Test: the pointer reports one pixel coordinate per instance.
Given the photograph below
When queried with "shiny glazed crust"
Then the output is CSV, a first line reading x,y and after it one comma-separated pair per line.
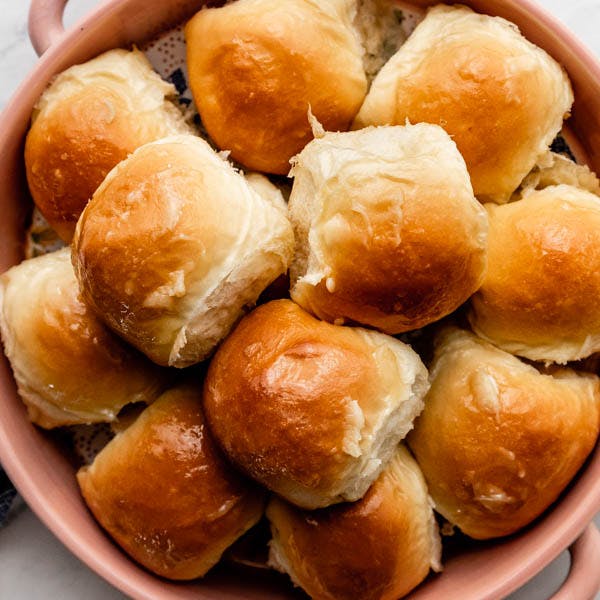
x,y
539,297
257,65
163,491
498,441
501,98
68,366
90,118
388,232
378,548
311,410
174,245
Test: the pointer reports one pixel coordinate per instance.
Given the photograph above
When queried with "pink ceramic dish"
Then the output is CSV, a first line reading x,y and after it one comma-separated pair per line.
x,y
42,471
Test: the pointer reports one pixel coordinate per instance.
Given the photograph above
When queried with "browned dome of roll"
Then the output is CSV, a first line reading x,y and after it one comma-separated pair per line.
x,y
311,410
256,66
90,118
173,247
378,548
164,492
69,367
498,441
388,232
540,295
500,97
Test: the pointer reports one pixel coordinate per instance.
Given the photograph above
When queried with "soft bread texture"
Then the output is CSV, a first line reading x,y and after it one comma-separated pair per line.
x,y
501,98
388,232
556,169
311,410
498,441
378,548
165,494
69,367
257,66
90,118
539,297
172,247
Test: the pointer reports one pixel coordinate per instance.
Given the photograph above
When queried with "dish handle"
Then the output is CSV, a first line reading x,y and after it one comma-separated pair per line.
x,y
45,23
583,580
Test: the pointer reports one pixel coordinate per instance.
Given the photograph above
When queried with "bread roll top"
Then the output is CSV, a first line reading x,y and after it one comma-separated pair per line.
x,y
378,548
172,247
498,441
90,118
69,367
500,97
284,380
256,66
538,299
163,491
388,232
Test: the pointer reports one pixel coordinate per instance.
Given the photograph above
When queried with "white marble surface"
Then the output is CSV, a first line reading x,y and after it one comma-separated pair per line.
x,y
33,564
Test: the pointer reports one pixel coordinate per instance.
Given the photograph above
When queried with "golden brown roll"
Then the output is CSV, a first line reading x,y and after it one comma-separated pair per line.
x,y
378,548
498,441
501,98
90,118
173,246
256,66
311,410
540,295
165,494
388,232
68,366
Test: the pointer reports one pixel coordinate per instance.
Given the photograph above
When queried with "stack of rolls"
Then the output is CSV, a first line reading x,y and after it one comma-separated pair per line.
x,y
305,410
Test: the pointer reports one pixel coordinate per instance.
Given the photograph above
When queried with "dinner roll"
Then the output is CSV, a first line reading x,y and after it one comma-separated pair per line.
x,y
89,119
257,66
172,247
388,232
498,441
501,98
165,494
540,295
68,366
378,548
311,410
